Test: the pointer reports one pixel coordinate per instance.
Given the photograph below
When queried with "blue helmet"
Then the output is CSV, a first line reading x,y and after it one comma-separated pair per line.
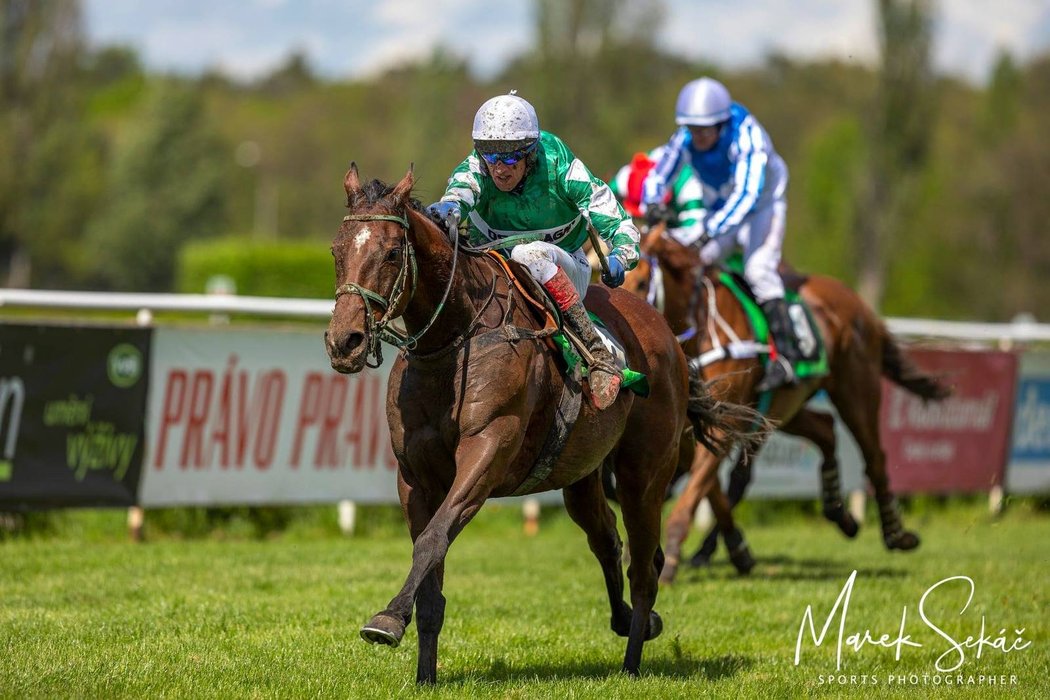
x,y
702,102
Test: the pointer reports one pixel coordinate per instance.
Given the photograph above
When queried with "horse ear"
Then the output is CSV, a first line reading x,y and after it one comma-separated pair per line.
x,y
653,241
351,183
402,188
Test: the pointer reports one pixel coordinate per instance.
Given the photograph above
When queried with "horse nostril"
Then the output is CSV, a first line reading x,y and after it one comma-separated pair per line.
x,y
351,342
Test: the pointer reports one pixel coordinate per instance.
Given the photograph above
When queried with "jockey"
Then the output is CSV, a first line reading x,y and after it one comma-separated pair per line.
x,y
744,182
520,181
684,203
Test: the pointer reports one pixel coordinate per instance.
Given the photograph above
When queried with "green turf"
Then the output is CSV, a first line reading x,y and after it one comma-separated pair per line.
x,y
96,616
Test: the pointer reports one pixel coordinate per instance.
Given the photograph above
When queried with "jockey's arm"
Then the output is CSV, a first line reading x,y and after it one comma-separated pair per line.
x,y
666,169
599,208
464,186
749,176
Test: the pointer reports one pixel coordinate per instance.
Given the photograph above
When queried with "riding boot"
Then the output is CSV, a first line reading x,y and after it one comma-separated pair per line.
x,y
780,371
604,377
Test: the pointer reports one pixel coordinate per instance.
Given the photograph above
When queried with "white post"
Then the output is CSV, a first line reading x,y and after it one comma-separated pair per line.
x,y
995,500
704,517
857,502
530,510
347,517
136,519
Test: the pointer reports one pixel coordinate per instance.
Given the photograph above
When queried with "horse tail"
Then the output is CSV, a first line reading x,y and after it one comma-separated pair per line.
x,y
719,425
902,371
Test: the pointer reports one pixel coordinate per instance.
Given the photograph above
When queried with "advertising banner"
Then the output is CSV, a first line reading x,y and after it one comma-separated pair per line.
x,y
959,444
259,417
1029,467
72,401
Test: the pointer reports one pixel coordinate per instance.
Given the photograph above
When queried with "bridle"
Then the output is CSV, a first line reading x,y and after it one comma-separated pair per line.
x,y
380,330
656,295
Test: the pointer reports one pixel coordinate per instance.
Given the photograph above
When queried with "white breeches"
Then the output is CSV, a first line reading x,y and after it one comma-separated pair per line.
x,y
543,260
761,237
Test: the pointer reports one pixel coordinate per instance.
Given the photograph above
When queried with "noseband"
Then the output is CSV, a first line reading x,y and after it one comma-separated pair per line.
x,y
380,330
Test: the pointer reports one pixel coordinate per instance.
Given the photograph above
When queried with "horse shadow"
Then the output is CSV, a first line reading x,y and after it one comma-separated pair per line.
x,y
676,666
786,568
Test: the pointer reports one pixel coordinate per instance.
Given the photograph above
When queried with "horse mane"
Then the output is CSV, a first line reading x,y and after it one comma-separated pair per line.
x,y
377,193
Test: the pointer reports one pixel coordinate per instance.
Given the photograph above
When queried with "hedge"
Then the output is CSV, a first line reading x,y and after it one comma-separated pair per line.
x,y
297,269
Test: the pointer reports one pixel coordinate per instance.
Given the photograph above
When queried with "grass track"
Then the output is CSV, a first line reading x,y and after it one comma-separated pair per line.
x,y
526,617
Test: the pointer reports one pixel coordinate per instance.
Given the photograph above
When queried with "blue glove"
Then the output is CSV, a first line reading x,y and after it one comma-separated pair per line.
x,y
616,272
446,214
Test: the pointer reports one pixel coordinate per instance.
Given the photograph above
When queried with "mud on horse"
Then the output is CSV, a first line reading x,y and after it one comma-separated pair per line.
x,y
473,396
860,352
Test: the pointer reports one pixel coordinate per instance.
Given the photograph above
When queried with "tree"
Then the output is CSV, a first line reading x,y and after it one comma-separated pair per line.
x,y
40,46
169,186
899,138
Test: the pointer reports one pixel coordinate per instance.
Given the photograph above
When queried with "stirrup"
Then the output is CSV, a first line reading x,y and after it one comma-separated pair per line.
x,y
779,373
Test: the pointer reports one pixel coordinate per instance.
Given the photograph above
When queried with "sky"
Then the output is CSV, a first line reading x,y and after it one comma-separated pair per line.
x,y
247,39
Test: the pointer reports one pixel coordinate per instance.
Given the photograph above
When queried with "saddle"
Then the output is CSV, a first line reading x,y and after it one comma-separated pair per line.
x,y
568,408
540,300
814,361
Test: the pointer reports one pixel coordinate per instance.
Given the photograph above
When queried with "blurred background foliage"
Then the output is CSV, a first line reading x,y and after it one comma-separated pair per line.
x,y
927,193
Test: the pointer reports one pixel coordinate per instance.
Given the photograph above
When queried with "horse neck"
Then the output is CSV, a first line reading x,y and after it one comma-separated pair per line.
x,y
434,257
678,293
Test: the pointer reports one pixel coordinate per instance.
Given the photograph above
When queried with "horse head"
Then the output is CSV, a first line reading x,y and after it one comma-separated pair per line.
x,y
639,281
374,268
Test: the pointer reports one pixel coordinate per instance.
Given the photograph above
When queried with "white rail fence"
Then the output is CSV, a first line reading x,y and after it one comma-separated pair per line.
x,y
1005,335
1022,330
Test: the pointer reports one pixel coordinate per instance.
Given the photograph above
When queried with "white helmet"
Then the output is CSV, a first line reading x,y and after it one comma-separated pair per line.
x,y
506,118
702,102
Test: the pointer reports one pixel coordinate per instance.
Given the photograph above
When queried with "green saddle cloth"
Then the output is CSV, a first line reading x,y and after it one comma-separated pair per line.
x,y
814,363
635,381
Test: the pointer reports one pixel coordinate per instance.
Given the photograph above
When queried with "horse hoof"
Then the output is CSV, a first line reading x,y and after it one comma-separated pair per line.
x,y
383,629
742,560
849,526
739,552
700,560
845,522
656,625
905,541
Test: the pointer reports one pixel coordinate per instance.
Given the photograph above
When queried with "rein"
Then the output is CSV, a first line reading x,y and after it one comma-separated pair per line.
x,y
381,330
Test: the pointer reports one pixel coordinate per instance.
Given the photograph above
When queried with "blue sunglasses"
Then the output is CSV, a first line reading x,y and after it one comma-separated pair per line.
x,y
511,158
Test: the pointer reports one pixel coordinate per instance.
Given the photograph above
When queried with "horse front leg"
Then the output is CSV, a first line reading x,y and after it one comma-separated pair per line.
x,y
476,463
430,602
388,627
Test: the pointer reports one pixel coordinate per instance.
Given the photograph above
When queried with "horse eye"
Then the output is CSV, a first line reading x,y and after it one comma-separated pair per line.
x,y
393,255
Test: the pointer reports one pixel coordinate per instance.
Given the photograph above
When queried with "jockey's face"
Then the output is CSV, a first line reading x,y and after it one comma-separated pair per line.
x,y
705,137
506,177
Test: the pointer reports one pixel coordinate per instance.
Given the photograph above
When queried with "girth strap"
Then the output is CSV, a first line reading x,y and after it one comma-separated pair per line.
x,y
564,419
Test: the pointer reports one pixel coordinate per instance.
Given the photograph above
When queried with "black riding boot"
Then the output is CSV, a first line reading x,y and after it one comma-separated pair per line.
x,y
780,371
604,377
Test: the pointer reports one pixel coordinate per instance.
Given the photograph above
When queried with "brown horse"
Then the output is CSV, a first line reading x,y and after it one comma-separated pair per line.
x,y
474,400
860,351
